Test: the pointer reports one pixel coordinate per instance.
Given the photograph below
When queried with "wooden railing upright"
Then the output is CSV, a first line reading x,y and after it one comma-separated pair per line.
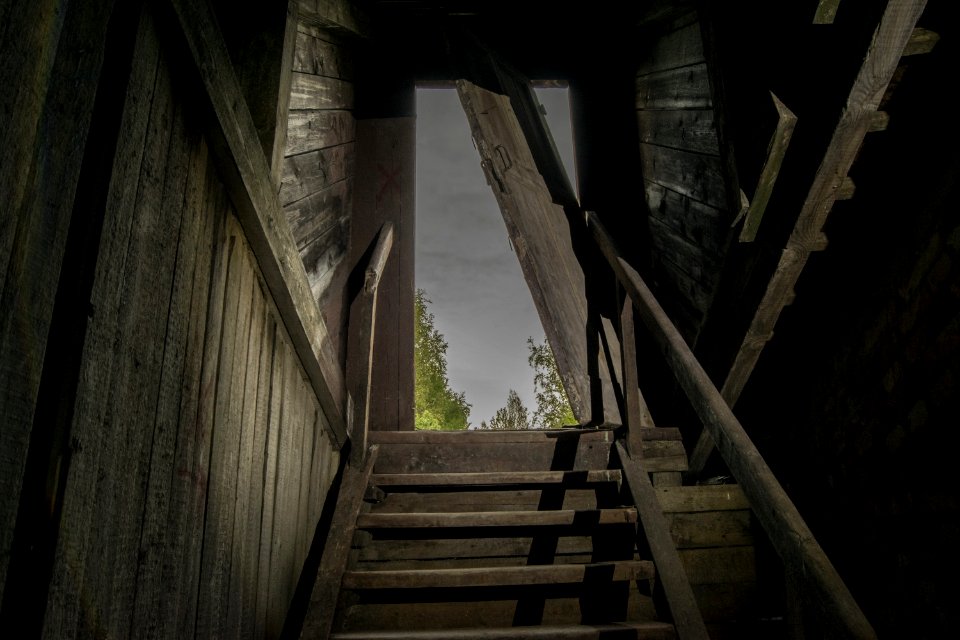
x,y
789,534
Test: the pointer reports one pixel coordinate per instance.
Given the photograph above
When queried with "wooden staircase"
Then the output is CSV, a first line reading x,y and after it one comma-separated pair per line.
x,y
529,535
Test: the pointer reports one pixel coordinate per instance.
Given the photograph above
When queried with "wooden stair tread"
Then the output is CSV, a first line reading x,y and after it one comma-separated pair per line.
x,y
638,630
565,478
564,517
617,571
483,436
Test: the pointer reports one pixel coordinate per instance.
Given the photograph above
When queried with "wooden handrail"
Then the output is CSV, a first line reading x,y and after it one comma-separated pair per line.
x,y
363,324
788,532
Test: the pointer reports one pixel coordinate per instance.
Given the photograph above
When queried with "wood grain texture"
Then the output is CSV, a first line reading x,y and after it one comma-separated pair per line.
x,y
683,88
686,129
695,175
788,532
558,518
498,576
699,223
311,130
311,92
670,572
679,48
247,176
317,56
340,16
333,562
540,235
311,172
47,116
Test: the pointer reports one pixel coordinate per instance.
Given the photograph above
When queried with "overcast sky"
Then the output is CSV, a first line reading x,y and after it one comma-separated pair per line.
x,y
464,261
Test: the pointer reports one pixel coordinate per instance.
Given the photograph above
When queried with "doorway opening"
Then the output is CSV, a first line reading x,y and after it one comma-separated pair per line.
x,y
472,296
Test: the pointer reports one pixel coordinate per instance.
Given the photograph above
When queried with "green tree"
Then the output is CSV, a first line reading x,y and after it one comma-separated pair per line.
x,y
514,416
437,406
553,407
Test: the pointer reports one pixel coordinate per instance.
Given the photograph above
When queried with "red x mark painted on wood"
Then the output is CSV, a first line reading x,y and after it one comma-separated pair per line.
x,y
389,181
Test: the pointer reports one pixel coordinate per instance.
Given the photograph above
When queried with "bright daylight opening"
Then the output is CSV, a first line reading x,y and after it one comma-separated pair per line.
x,y
472,296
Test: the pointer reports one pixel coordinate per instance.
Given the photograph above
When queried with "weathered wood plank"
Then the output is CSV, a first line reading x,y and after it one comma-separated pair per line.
x,y
626,570
341,16
684,88
711,529
316,214
687,129
719,565
186,173
312,130
789,534
246,527
301,477
310,172
695,175
701,266
247,176
333,562
679,48
638,416
325,255
319,57
464,499
182,565
826,11
165,588
921,41
379,550
625,630
447,617
47,115
566,478
700,223
260,495
496,519
727,497
137,347
776,150
310,92
361,339
540,234
670,572
268,618
215,596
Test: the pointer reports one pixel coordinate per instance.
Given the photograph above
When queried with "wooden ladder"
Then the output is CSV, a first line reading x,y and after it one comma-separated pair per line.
x,y
508,535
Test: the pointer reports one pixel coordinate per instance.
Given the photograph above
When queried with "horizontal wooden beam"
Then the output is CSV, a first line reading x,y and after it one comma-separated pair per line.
x,y
620,630
619,571
497,478
921,41
559,518
339,16
247,175
788,532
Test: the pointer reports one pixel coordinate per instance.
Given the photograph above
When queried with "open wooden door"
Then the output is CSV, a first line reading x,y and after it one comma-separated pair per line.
x,y
515,159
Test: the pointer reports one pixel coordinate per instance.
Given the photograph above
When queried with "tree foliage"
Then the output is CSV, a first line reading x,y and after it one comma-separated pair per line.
x,y
514,416
437,406
553,408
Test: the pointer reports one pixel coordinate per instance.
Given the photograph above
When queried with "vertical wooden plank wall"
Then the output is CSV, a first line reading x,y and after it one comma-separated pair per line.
x,y
316,187
682,170
199,457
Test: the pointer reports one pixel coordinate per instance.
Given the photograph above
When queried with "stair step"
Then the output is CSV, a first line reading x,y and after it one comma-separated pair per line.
x,y
600,572
481,498
565,517
577,479
477,452
624,630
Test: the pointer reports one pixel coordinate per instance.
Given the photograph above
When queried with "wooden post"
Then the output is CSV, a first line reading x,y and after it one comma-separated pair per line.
x,y
638,415
788,532
362,330
336,551
670,572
